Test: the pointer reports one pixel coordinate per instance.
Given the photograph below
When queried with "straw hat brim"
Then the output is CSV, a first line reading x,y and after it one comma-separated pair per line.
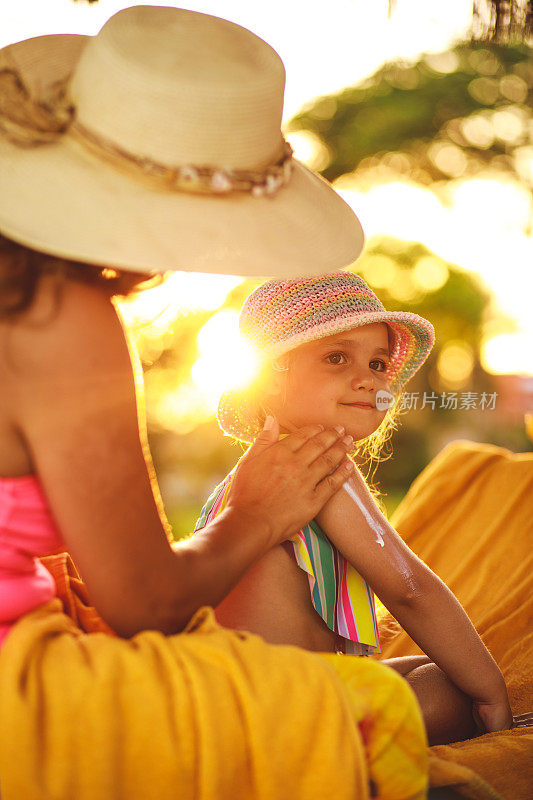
x,y
60,198
414,337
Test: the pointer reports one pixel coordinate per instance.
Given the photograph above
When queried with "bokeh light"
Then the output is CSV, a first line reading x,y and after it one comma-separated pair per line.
x,y
430,273
309,149
455,363
181,292
226,360
456,228
508,353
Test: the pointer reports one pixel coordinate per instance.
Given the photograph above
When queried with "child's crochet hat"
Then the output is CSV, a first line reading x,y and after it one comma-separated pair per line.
x,y
283,314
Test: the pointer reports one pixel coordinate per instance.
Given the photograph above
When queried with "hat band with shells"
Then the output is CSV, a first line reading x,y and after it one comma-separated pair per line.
x,y
25,120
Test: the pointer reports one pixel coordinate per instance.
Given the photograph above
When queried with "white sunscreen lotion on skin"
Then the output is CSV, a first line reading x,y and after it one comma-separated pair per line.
x,y
374,524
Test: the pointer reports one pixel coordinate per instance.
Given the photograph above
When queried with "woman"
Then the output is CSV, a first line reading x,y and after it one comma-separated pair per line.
x,y
103,158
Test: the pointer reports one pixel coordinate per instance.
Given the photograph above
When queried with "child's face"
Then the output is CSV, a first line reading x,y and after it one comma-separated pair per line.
x,y
334,381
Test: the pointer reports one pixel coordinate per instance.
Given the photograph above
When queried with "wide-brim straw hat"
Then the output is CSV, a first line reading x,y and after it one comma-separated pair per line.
x,y
157,145
283,314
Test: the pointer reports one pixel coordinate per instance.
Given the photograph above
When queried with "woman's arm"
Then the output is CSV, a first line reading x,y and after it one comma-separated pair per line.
x,y
74,403
416,597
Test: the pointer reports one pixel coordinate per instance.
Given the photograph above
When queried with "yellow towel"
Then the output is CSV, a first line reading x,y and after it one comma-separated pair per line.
x,y
469,516
209,714
199,716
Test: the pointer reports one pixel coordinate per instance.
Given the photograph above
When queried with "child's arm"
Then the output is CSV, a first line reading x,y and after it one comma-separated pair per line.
x,y
417,598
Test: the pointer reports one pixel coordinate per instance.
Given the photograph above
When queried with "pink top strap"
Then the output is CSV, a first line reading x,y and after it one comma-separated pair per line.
x,y
27,530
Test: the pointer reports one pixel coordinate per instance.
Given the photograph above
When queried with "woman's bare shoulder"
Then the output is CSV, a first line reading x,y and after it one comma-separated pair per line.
x,y
53,357
68,323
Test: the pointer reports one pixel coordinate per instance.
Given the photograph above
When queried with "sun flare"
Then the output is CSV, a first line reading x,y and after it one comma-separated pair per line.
x,y
226,361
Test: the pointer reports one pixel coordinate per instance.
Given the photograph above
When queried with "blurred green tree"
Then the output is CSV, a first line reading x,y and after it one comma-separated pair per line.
x,y
448,115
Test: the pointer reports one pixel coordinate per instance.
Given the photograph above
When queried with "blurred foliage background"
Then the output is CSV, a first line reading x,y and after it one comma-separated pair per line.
x,y
449,117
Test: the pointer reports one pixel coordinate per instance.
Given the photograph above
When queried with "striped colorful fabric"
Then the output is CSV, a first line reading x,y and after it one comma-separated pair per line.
x,y
339,594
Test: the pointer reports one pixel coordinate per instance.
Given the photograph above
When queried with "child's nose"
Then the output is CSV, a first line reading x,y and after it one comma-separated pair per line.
x,y
363,379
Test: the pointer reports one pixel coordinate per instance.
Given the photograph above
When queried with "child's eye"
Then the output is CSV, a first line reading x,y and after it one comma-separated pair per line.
x,y
378,364
337,358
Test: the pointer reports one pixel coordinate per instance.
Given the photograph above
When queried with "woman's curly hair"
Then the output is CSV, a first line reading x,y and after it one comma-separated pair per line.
x,y
21,270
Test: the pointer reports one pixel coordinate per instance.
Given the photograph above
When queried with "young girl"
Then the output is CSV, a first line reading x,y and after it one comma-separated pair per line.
x,y
332,355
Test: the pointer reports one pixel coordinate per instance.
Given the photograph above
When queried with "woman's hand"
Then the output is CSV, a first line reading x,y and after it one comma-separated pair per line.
x,y
284,484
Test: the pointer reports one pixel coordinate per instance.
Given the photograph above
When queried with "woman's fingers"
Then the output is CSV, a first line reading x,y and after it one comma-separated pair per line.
x,y
332,483
296,439
312,445
287,482
290,443
322,452
268,436
325,461
320,445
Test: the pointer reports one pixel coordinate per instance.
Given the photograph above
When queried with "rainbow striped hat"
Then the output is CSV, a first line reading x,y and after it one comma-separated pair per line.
x,y
283,314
